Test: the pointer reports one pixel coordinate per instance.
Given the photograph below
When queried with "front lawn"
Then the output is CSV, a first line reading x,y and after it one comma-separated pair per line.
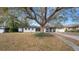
x,y
29,42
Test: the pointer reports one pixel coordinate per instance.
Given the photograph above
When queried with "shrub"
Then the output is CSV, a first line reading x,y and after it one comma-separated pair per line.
x,y
66,30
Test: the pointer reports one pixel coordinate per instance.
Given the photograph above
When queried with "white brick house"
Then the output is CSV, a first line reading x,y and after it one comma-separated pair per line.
x,y
35,29
27,29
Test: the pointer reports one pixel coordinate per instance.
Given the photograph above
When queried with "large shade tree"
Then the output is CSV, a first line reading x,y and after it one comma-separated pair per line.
x,y
42,15
11,23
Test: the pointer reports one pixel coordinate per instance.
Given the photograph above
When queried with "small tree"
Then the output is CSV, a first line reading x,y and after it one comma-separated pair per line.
x,y
10,22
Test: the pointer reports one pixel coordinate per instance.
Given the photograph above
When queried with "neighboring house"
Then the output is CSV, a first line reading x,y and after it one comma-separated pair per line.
x,y
60,29
72,27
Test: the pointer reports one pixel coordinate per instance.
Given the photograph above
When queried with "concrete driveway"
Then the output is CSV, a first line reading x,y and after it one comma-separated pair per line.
x,y
62,36
69,35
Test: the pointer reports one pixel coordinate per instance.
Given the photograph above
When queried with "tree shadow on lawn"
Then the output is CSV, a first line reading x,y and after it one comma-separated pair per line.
x,y
43,35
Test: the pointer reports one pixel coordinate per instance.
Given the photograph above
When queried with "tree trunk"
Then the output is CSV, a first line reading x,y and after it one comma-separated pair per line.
x,y
42,29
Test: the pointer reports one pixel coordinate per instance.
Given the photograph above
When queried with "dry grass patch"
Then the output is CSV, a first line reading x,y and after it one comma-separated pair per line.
x,y
29,42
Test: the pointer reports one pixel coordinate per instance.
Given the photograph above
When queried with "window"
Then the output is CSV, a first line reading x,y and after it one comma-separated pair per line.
x,y
25,28
37,29
28,28
47,30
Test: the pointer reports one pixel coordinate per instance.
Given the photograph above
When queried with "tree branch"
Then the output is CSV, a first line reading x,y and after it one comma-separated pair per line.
x,y
29,12
35,14
55,13
45,13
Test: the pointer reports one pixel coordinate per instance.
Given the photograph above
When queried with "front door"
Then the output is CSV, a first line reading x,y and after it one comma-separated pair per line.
x,y
37,29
